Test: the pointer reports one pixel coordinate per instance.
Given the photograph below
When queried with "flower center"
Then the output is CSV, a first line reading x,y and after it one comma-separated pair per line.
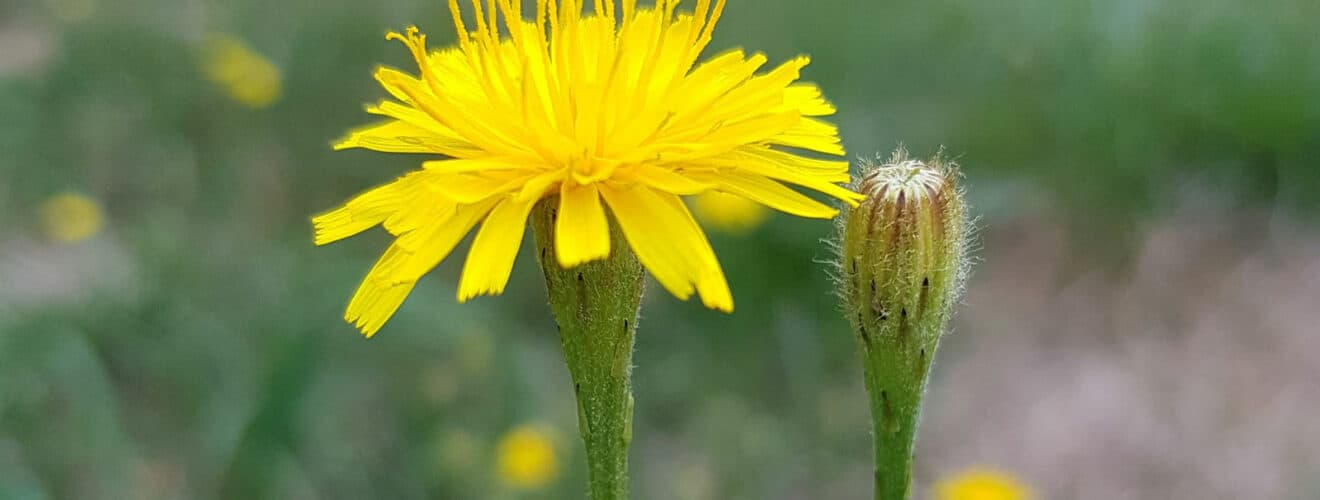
x,y
587,169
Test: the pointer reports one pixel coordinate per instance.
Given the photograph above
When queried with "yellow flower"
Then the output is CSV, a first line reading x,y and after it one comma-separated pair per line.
x,y
981,484
527,458
729,213
247,76
70,217
607,110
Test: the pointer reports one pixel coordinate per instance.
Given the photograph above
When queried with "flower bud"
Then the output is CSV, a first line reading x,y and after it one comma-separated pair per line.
x,y
902,258
902,251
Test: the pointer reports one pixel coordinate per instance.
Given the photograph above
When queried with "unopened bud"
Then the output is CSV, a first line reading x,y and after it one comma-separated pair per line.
x,y
902,250
902,258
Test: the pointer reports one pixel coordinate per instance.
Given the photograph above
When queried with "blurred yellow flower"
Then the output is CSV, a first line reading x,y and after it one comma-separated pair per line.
x,y
610,112
247,76
527,458
729,213
981,484
70,217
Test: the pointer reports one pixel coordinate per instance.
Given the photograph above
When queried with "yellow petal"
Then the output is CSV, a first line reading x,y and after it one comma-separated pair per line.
x,y
441,136
832,171
366,210
377,298
540,185
807,99
707,137
813,135
713,80
394,275
646,233
394,81
818,175
484,164
397,136
438,238
422,211
582,232
711,284
471,187
490,261
480,126
669,243
761,94
667,179
771,194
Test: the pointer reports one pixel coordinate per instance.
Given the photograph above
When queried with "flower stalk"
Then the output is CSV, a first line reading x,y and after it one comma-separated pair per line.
x,y
595,306
901,260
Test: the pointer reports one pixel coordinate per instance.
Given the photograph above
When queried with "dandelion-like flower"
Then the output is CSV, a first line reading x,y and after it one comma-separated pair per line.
x,y
71,217
607,110
527,458
982,484
247,76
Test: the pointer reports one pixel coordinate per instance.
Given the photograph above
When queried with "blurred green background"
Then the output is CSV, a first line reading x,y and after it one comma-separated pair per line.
x,y
1141,324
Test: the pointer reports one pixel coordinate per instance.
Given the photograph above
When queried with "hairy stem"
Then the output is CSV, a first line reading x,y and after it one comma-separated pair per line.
x,y
595,306
896,381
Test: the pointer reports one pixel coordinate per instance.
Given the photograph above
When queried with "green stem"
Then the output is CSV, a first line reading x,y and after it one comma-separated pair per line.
x,y
595,306
896,381
899,331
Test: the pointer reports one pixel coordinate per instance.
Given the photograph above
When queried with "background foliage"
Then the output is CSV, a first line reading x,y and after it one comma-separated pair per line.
x,y
1145,170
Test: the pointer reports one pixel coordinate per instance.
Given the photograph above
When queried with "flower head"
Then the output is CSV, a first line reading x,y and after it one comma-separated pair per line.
x,y
981,484
527,458
249,78
70,217
903,250
611,113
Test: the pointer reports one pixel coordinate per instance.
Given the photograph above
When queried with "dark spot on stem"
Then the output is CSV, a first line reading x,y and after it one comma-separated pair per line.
x,y
542,255
924,297
580,278
625,326
904,327
887,413
872,285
